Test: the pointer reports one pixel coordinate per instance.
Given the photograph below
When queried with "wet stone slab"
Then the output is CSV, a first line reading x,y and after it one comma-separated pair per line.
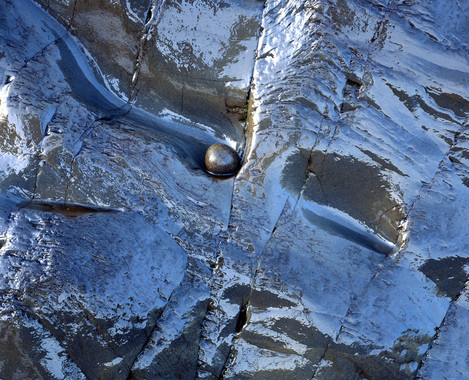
x,y
337,251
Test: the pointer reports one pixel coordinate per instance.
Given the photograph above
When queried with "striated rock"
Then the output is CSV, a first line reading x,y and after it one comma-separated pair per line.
x,y
339,249
170,58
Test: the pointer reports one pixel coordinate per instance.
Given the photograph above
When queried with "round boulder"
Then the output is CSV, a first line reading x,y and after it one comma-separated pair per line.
x,y
221,160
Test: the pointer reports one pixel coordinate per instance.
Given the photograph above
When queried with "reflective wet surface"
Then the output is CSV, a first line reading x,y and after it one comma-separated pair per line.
x,y
340,248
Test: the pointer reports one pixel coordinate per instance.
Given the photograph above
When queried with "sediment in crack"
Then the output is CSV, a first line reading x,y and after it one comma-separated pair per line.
x,y
153,17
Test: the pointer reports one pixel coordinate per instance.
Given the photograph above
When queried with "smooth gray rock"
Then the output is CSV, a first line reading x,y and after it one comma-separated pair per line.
x,y
338,251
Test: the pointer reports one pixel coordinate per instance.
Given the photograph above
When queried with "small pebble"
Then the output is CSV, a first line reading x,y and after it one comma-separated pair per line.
x,y
222,160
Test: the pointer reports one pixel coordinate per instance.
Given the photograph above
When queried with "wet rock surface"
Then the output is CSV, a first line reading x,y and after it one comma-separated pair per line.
x,y
339,251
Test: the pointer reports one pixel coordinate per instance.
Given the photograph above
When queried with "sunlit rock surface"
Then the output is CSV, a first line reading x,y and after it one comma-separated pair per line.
x,y
339,251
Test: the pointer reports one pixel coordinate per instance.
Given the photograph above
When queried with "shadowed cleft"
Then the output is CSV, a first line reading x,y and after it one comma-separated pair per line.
x,y
448,274
453,102
149,14
367,240
465,181
67,208
8,79
415,101
352,85
355,188
243,316
351,92
385,164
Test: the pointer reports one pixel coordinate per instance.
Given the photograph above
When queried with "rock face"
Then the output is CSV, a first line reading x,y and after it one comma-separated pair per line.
x,y
339,251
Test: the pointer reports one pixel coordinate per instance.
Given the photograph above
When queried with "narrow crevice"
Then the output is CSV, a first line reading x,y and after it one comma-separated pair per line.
x,y
75,154
231,205
261,254
3,241
335,133
39,53
229,362
361,372
140,55
309,169
154,328
152,19
248,129
389,209
149,14
244,314
355,298
318,178
210,310
202,335
87,130
241,323
182,96
70,177
36,175
426,187
321,359
73,15
437,333
68,208
40,157
90,319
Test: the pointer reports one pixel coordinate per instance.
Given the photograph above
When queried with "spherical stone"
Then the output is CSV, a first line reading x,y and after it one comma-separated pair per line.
x,y
221,160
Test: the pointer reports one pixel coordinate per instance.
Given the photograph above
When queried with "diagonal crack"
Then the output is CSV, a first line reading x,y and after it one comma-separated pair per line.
x,y
382,267
73,15
153,18
91,320
334,135
40,52
438,330
243,316
150,334
318,367
40,157
49,328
